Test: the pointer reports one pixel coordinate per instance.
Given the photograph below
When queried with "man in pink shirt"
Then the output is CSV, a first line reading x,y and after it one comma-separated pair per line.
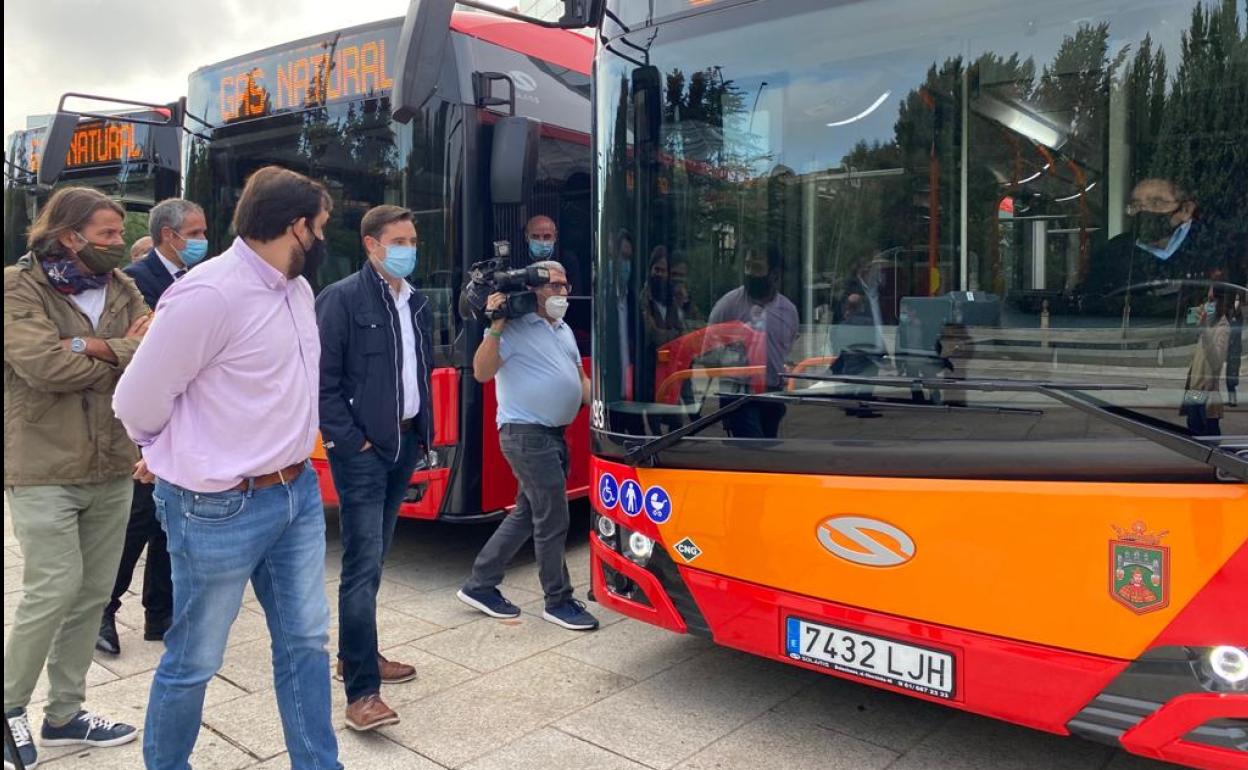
x,y
223,404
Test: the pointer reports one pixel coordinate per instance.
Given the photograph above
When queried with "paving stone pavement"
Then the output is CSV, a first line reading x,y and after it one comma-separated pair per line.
x,y
525,695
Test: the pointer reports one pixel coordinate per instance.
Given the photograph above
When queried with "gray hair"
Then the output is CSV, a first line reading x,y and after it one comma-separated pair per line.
x,y
551,264
170,213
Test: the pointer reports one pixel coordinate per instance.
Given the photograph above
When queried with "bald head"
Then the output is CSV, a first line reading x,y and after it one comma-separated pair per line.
x,y
541,228
140,248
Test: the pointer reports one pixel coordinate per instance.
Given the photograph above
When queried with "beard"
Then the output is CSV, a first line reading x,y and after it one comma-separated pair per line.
x,y
297,261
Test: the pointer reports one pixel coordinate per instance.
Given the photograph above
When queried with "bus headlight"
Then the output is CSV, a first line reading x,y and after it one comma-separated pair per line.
x,y
1228,665
640,548
606,528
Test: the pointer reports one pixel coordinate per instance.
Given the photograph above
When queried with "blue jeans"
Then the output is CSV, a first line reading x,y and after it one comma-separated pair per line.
x,y
370,489
274,537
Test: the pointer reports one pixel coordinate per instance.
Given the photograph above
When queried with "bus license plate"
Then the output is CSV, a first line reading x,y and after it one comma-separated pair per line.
x,y
925,671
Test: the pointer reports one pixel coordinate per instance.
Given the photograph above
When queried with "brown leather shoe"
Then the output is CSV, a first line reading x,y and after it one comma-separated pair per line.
x,y
369,713
391,672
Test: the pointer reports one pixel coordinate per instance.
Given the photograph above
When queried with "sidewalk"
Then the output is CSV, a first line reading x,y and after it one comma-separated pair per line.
x,y
524,694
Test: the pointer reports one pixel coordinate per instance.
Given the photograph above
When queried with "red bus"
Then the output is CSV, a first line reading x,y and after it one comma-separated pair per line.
x,y
322,106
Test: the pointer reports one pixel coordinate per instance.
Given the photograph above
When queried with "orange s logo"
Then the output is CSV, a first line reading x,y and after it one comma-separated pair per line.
x,y
864,541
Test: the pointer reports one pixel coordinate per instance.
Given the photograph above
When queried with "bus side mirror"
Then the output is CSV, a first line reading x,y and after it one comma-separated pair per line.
x,y
578,14
56,141
513,159
422,46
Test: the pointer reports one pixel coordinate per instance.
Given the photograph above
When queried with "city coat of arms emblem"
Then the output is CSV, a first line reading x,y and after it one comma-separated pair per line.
x,y
1139,569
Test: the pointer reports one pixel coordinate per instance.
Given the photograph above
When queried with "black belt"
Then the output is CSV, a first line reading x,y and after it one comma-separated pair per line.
x,y
406,425
524,427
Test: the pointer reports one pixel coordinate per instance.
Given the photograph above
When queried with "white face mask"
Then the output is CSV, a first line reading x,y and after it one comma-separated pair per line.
x,y
557,307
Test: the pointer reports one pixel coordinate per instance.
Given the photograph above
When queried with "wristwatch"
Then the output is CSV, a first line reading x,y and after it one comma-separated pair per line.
x,y
78,345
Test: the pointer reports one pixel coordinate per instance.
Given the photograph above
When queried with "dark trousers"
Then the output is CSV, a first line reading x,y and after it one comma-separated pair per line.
x,y
370,489
144,531
1199,422
1234,356
539,459
760,419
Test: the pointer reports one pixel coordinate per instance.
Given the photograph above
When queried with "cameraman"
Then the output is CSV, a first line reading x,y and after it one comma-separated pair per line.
x,y
541,387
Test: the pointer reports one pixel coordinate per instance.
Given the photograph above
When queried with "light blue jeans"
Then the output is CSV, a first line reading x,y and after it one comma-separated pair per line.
x,y
274,537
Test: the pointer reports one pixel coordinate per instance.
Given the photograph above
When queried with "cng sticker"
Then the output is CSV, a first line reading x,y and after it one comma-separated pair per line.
x,y
608,491
630,497
658,505
687,549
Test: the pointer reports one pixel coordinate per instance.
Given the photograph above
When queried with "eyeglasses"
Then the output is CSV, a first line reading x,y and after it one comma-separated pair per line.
x,y
558,286
1154,205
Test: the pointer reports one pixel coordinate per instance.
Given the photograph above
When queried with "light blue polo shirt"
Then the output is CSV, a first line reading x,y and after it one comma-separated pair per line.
x,y
540,379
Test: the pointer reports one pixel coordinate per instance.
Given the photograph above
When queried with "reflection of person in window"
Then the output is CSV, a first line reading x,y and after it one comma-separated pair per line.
x,y
1202,395
1235,350
615,316
662,323
1166,240
857,338
759,304
687,313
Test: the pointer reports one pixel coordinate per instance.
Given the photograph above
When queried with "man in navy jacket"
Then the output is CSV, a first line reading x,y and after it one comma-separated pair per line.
x,y
377,425
178,230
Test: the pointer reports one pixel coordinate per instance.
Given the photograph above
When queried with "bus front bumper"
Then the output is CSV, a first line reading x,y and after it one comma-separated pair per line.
x,y
1045,688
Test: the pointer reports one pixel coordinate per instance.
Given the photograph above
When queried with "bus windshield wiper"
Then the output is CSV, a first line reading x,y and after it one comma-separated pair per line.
x,y
1076,396
644,452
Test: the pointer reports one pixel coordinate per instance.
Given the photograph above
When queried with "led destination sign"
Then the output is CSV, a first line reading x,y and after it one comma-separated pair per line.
x,y
338,68
95,143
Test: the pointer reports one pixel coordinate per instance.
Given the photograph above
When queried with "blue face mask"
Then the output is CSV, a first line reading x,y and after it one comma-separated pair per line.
x,y
195,251
541,249
399,261
1176,240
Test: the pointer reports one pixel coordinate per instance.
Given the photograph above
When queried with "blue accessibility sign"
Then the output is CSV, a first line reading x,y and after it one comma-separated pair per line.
x,y
608,491
630,497
658,505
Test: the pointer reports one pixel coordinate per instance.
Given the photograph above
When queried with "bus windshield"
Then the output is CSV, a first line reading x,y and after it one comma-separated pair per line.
x,y
275,108
968,195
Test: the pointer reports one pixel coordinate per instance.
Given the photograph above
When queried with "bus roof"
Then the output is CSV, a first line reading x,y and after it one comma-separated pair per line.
x,y
560,47
557,46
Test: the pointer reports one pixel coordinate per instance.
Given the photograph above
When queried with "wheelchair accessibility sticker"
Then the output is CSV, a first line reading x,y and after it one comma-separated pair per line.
x,y
608,491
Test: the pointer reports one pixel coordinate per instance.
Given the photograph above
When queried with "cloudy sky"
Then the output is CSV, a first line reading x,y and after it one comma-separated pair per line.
x,y
145,49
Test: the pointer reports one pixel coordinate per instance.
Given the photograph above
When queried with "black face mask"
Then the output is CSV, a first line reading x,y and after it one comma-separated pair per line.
x,y
315,256
1151,227
308,259
758,287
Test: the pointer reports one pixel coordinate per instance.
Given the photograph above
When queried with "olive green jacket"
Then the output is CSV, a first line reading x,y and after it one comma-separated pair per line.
x,y
59,426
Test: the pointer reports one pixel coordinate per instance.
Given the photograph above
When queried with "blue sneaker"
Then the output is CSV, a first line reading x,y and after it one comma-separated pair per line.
x,y
571,615
20,727
87,729
490,602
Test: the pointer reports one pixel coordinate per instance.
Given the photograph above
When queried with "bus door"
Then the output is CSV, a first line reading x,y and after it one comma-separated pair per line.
x,y
533,115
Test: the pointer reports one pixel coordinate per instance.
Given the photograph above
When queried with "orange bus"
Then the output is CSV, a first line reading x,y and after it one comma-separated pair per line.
x,y
918,332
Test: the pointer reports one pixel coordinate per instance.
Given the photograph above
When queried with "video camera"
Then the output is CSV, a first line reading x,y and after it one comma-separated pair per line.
x,y
490,276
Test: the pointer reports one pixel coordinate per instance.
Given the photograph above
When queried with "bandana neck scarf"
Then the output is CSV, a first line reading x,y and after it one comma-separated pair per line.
x,y
67,277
